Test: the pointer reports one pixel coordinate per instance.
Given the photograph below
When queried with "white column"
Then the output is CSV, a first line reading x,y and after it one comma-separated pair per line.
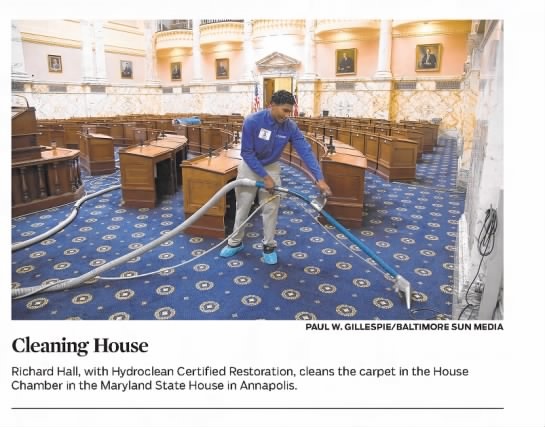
x,y
87,57
384,50
18,71
474,46
100,55
310,50
197,60
149,41
248,51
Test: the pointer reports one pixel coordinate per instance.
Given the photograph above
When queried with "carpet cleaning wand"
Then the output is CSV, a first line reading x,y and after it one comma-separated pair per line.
x,y
401,285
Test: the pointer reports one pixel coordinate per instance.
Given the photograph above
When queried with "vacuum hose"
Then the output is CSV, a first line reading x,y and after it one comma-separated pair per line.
x,y
77,281
21,245
400,283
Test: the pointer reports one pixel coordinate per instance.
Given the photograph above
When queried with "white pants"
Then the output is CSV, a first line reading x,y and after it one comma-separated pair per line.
x,y
245,199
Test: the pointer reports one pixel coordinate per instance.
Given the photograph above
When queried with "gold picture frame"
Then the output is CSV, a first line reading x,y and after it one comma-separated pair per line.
x,y
345,61
175,71
428,57
222,68
126,69
54,63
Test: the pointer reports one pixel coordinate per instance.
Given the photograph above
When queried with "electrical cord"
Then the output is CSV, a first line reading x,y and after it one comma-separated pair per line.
x,y
270,199
486,241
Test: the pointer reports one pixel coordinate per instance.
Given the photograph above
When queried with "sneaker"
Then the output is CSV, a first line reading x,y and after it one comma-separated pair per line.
x,y
269,255
229,251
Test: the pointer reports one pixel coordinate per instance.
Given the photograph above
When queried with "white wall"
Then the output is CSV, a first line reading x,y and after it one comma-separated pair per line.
x,y
486,170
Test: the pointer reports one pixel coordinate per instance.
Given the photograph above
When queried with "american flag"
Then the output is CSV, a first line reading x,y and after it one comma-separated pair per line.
x,y
256,105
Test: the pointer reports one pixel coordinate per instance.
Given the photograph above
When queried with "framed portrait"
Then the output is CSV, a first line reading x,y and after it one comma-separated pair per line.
x,y
55,63
345,61
222,68
428,57
176,71
126,69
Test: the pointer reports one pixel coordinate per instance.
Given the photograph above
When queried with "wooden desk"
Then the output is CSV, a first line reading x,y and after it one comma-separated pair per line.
x,y
146,173
211,137
428,141
399,133
193,133
72,135
371,149
382,130
357,140
344,171
97,153
178,145
430,131
418,136
117,133
203,176
102,128
343,135
397,158
233,152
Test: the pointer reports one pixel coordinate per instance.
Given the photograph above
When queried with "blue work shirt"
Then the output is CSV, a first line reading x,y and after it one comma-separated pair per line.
x,y
264,139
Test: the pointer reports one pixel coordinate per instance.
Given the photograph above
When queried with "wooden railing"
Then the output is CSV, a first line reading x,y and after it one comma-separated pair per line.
x,y
52,180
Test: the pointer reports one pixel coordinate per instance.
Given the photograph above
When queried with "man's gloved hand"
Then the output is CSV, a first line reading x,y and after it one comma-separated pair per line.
x,y
323,187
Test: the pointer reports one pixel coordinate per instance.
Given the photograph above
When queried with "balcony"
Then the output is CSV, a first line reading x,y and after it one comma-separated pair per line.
x,y
273,27
221,31
178,33
326,25
174,33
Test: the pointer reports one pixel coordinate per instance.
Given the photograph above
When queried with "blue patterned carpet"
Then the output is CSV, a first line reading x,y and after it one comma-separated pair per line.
x,y
411,226
438,170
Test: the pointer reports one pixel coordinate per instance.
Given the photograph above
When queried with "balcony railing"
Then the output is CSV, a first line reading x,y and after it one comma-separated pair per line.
x,y
187,24
174,24
215,21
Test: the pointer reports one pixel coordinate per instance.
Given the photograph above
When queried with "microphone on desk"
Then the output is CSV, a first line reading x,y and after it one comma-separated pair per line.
x,y
210,152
